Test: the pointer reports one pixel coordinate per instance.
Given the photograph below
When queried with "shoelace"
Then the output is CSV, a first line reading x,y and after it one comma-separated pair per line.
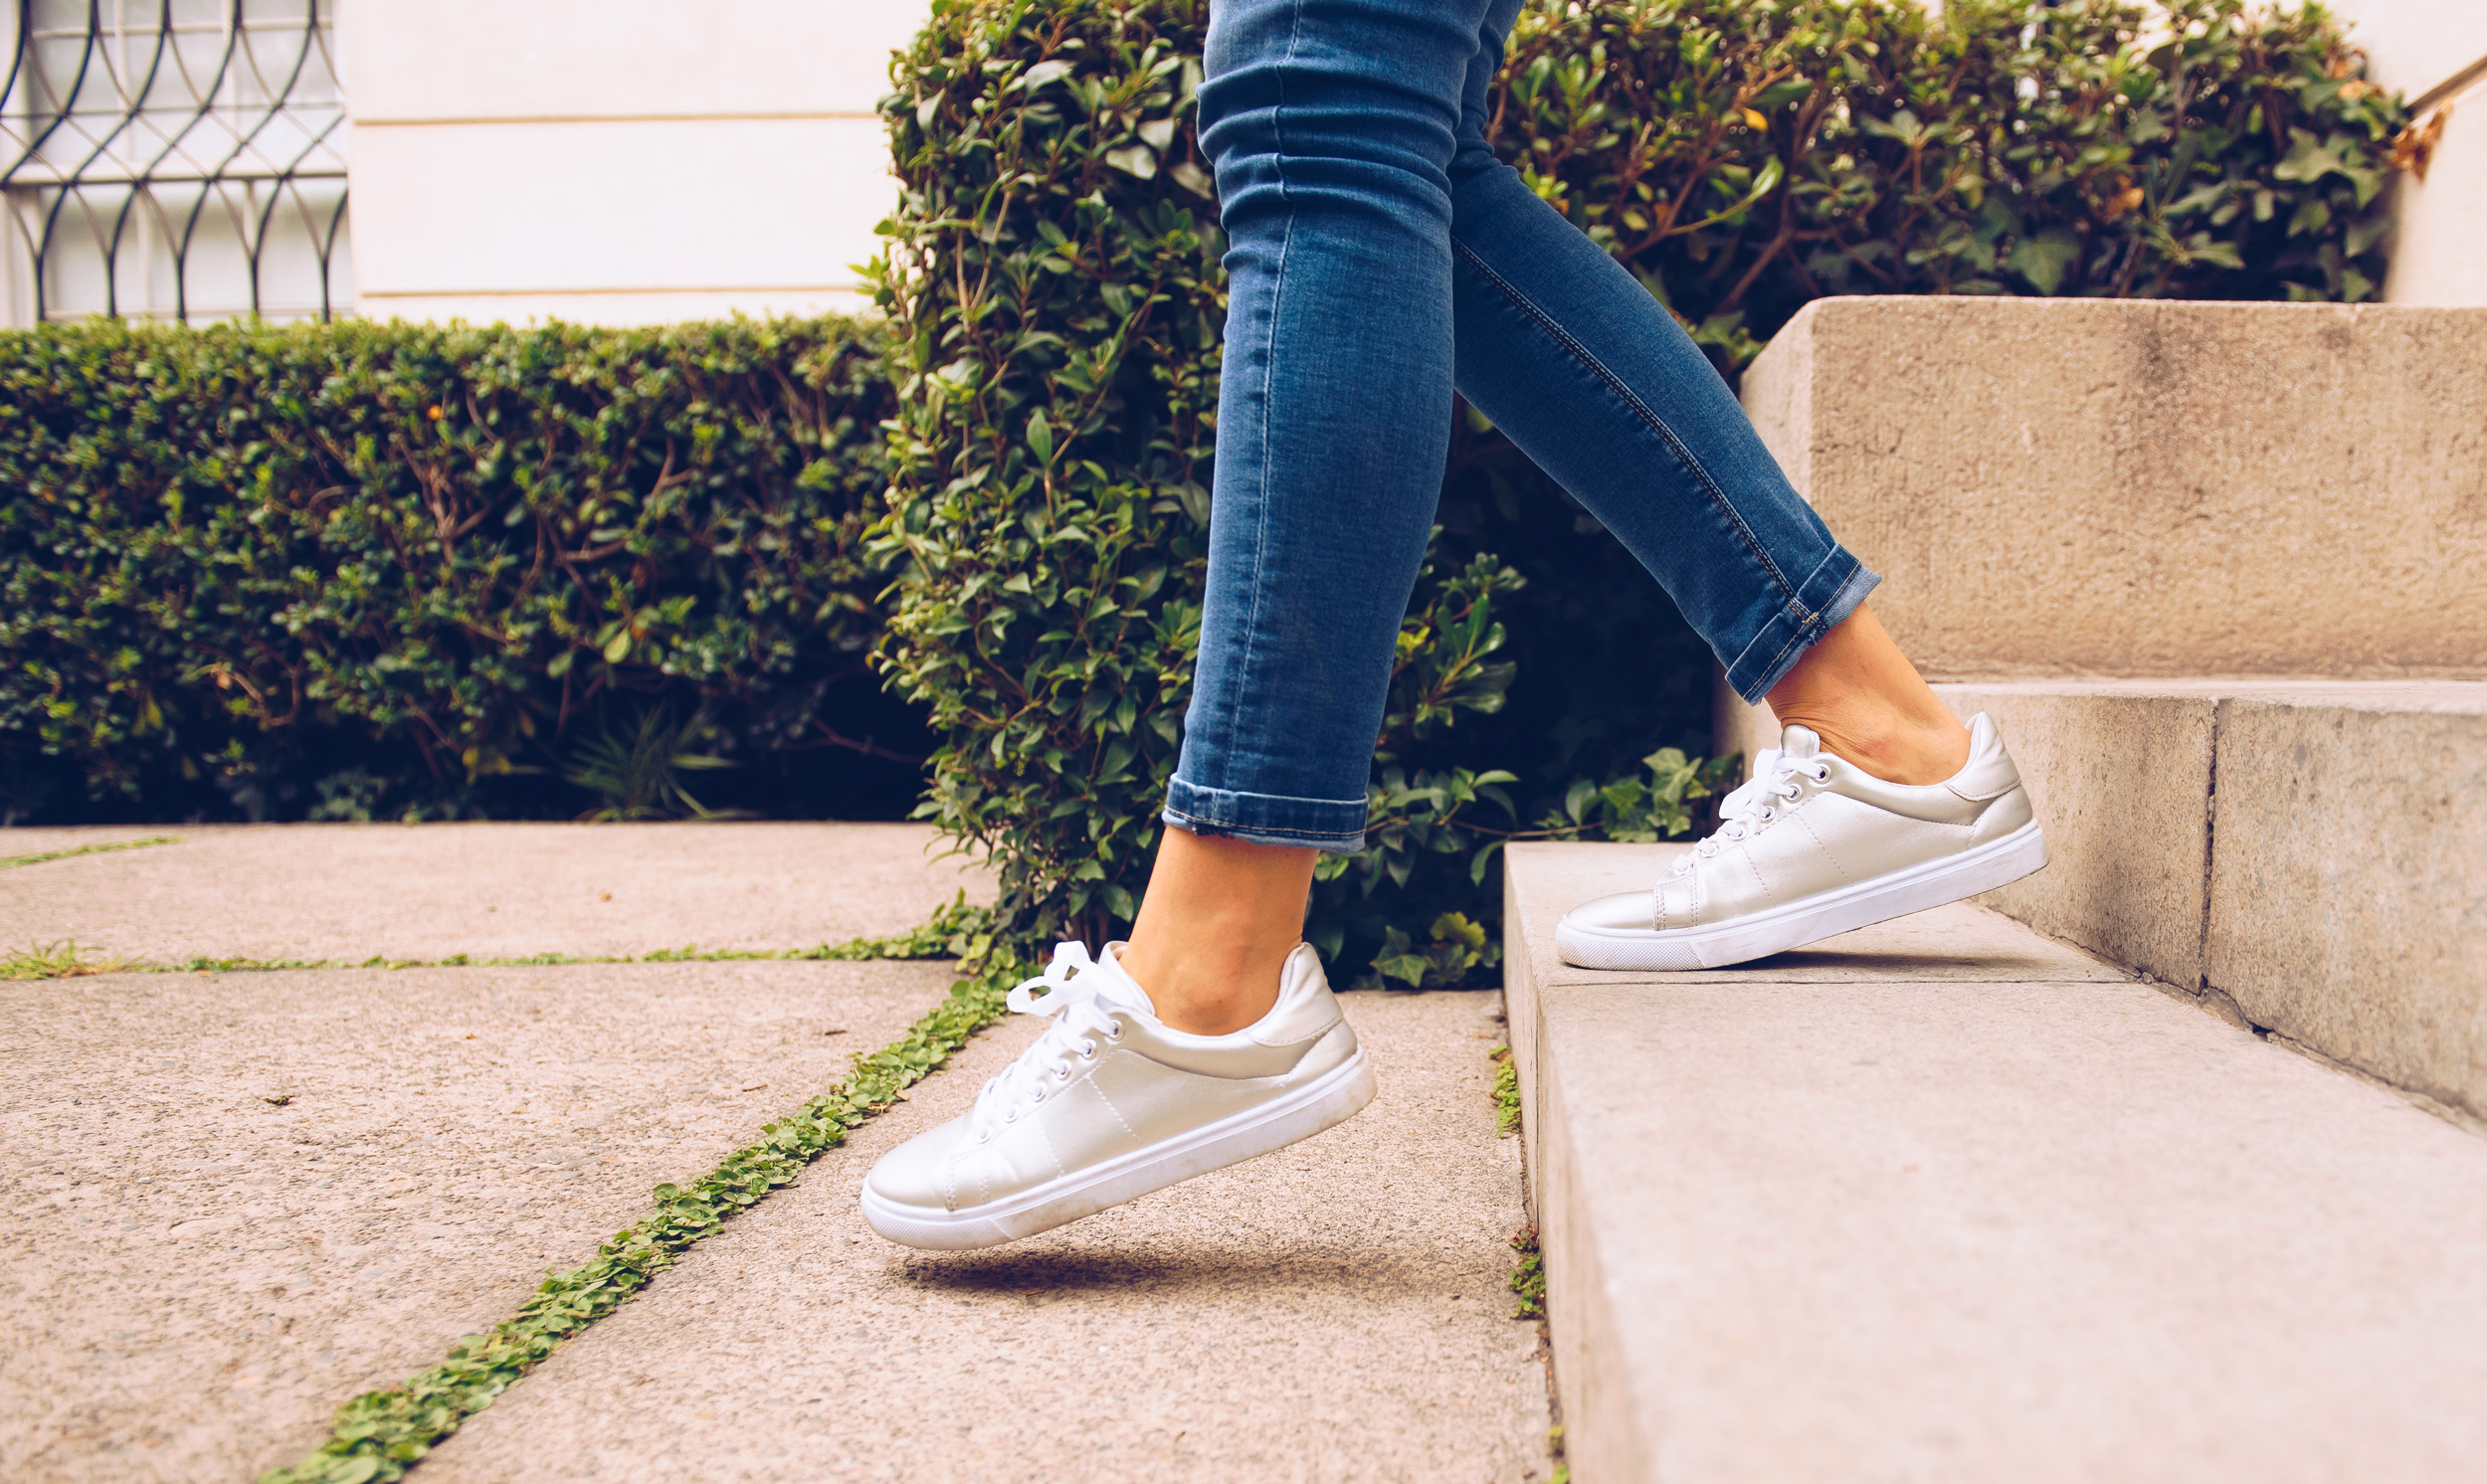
x,y
1080,1029
1774,783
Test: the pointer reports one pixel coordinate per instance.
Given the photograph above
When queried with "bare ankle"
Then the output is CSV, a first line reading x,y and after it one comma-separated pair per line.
x,y
1206,987
1902,751
1856,691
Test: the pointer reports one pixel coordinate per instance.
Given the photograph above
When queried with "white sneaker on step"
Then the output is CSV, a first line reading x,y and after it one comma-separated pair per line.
x,y
1111,1103
1814,845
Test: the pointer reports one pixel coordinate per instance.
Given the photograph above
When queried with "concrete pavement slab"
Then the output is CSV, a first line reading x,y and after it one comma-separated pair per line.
x,y
1336,1311
229,1203
503,891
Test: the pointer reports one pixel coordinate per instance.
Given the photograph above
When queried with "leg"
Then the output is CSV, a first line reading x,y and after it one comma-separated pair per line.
x,y
1332,126
1213,1037
1575,361
1857,693
1876,803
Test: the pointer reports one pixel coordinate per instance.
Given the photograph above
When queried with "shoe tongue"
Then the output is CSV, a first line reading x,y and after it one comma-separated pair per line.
x,y
1799,742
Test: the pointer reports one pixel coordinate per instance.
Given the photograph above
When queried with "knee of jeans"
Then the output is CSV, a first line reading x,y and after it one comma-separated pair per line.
x,y
1310,123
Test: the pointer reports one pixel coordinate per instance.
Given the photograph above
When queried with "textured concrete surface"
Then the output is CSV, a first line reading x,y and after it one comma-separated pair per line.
x,y
2349,883
1962,941
1335,1311
349,891
194,1275
2120,776
1924,1229
2148,488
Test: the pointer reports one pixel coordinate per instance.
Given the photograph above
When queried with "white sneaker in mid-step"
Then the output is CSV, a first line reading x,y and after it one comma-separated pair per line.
x,y
1814,845
1111,1103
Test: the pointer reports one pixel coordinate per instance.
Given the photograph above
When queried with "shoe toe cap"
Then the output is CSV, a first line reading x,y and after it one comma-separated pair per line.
x,y
1626,911
911,1173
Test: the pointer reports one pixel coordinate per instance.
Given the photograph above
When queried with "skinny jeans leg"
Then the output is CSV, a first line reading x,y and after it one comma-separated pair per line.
x,y
1378,257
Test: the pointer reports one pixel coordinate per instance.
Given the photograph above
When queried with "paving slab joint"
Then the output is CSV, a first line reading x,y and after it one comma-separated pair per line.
x,y
10,861
2452,1113
381,1436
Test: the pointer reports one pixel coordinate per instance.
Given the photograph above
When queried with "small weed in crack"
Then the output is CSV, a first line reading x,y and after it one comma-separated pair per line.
x,y
6,861
1528,1278
381,1434
1507,1093
52,961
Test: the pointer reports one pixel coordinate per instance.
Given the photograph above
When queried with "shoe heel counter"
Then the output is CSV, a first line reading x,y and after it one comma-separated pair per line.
x,y
2004,816
1334,1047
1306,1010
1989,772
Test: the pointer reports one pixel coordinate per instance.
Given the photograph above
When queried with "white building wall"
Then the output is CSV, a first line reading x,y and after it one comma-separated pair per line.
x,y
2424,47
621,162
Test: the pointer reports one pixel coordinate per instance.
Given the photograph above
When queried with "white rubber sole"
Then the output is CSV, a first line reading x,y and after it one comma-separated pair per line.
x,y
1325,1102
1825,914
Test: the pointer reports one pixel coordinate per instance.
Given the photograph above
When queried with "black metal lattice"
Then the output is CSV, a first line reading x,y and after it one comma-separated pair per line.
x,y
178,159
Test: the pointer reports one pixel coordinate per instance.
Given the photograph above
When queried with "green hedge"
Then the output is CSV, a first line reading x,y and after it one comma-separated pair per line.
x,y
1055,297
1748,157
360,568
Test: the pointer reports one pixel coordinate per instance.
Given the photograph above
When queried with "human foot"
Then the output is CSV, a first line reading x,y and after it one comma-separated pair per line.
x,y
1816,845
1111,1103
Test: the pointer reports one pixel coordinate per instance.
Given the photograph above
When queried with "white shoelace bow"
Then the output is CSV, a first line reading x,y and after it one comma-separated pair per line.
x,y
1069,985
1774,783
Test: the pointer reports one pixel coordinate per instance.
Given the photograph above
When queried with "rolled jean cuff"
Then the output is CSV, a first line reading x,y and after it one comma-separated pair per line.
x,y
1837,584
1334,825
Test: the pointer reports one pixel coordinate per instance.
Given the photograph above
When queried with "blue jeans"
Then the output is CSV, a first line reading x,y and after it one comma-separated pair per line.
x,y
1379,258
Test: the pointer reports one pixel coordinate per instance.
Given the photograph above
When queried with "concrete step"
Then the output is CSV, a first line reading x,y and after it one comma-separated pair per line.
x,y
2147,488
1945,1200
2310,854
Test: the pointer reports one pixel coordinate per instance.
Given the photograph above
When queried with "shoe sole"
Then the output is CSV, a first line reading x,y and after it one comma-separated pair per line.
x,y
1325,1102
1822,915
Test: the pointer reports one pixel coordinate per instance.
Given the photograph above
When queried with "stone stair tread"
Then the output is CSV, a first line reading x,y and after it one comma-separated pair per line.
x,y
1913,1223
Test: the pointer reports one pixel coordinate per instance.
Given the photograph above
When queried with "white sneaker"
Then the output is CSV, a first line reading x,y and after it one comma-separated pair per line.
x,y
1111,1103
1812,846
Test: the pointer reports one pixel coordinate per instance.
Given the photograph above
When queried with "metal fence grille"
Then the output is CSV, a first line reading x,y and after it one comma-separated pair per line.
x,y
175,159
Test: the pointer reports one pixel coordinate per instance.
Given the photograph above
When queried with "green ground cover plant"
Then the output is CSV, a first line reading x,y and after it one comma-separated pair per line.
x,y
958,931
106,849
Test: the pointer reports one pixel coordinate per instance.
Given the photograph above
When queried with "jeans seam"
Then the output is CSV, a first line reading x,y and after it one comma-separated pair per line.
x,y
1798,637
1277,299
1623,393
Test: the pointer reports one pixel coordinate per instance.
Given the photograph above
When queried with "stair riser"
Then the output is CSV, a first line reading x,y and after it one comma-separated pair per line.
x,y
2348,888
2316,851
2147,489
